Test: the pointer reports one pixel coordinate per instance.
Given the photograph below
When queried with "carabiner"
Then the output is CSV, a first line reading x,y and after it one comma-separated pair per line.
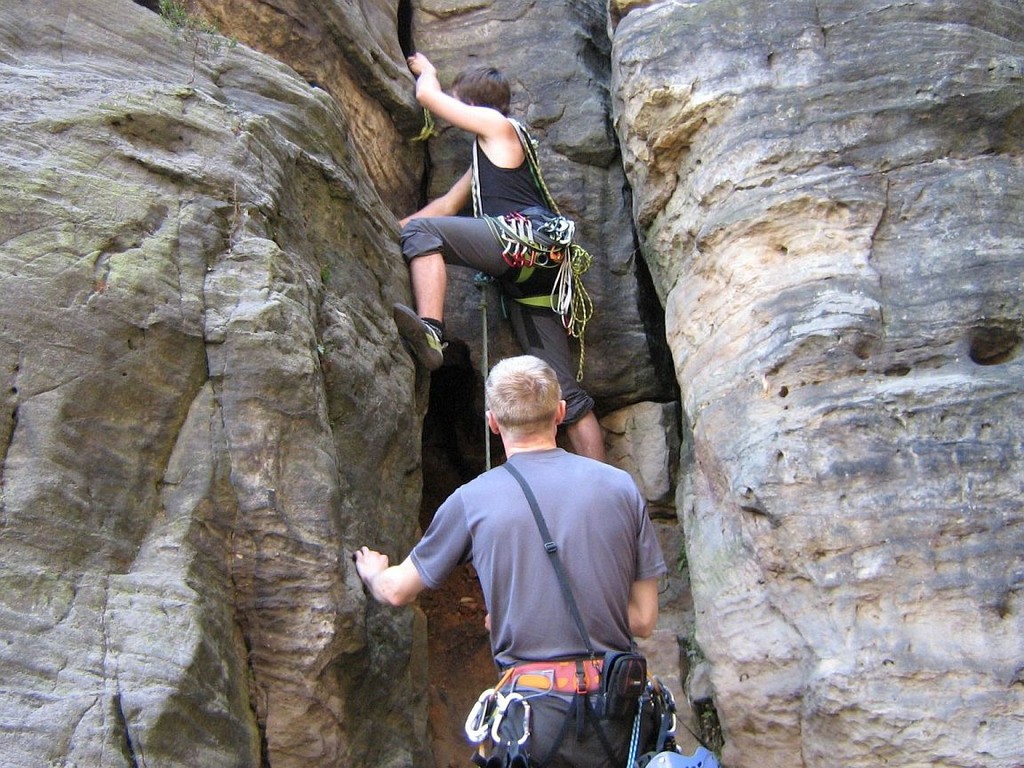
x,y
499,715
478,721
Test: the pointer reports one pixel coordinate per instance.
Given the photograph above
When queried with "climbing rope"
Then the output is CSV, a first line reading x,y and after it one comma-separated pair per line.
x,y
530,148
482,280
634,740
569,298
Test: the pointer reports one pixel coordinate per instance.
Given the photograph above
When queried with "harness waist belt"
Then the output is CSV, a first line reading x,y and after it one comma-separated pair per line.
x,y
560,676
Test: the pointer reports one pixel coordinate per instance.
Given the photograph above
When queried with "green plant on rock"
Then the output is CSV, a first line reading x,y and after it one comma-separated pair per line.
x,y
202,35
708,725
682,563
181,19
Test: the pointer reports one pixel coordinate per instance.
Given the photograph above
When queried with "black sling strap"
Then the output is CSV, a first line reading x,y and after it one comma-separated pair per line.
x,y
552,549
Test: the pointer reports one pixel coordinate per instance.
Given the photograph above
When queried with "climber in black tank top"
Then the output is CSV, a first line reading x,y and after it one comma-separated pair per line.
x,y
502,180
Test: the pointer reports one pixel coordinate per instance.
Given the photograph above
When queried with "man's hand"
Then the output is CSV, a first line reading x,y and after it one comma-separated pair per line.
x,y
369,563
394,585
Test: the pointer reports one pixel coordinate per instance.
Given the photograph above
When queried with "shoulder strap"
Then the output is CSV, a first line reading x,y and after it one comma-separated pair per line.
x,y
552,549
478,206
530,149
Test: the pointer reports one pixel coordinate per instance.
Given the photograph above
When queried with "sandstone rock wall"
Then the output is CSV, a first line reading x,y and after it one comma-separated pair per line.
x,y
206,403
352,51
829,197
205,407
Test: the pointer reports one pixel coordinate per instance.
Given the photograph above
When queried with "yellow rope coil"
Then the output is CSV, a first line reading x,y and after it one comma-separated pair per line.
x,y
581,307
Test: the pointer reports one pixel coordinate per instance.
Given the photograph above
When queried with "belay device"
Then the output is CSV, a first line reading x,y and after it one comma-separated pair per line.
x,y
659,706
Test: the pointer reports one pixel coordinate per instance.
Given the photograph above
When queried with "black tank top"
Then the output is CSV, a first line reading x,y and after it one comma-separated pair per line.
x,y
503,190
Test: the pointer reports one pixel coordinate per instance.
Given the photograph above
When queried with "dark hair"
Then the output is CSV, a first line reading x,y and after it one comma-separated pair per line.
x,y
483,87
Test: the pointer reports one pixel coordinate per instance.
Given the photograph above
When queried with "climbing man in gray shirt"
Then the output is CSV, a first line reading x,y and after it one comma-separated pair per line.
x,y
607,547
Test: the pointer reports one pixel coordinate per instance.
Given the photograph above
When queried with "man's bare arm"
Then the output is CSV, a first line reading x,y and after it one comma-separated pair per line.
x,y
448,204
393,585
643,607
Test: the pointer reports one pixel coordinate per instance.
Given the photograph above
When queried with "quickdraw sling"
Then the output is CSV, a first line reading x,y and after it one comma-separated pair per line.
x,y
548,244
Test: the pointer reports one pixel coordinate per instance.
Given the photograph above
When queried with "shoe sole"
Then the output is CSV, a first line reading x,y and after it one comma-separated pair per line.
x,y
411,329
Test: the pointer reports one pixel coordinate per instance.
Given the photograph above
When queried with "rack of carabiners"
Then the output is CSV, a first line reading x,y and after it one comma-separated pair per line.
x,y
521,250
502,718
520,245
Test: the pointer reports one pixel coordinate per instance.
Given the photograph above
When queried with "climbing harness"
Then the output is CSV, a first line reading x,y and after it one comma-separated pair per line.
x,y
634,739
542,241
491,718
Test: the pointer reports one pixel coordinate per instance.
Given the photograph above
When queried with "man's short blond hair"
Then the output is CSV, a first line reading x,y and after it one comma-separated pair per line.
x,y
522,394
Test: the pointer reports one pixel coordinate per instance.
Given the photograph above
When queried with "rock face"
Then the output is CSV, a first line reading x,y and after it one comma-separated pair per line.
x,y
352,51
206,403
829,197
205,408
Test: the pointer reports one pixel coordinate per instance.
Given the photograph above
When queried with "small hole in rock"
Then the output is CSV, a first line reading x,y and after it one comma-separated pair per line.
x,y
994,344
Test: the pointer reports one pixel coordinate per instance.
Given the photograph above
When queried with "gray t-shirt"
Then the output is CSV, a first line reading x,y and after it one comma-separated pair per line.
x,y
599,521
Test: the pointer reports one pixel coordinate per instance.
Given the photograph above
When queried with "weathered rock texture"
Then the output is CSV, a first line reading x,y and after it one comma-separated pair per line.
x,y
829,195
205,408
206,403
353,51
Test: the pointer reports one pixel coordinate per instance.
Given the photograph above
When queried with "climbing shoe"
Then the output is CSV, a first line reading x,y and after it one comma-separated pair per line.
x,y
423,340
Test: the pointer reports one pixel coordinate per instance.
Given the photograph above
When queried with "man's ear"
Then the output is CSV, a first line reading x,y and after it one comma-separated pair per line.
x,y
492,423
560,413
